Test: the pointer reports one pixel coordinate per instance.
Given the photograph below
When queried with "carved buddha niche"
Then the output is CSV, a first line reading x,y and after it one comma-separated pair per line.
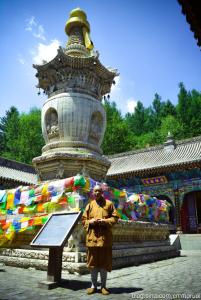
x,y
51,121
95,132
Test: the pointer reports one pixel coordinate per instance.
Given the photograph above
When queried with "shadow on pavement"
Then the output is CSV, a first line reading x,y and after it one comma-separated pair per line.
x,y
122,290
74,284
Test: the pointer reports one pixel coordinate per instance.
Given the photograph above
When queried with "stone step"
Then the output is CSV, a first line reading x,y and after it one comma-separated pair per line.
x,y
141,251
24,262
190,241
125,250
75,262
40,264
143,258
40,255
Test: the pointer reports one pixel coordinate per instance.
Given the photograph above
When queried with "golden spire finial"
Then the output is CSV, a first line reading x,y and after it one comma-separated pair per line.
x,y
78,19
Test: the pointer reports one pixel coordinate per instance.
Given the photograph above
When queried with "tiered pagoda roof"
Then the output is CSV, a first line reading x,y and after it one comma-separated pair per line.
x,y
60,70
77,67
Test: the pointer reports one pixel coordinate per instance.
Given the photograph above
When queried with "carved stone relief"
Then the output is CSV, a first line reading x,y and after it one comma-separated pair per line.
x,y
51,121
57,79
60,170
95,131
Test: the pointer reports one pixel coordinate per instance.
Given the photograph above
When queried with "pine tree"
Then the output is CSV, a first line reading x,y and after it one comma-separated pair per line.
x,y
30,138
117,134
183,109
137,121
9,134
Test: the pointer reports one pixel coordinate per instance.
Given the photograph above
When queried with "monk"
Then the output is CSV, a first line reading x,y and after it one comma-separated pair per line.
x,y
98,219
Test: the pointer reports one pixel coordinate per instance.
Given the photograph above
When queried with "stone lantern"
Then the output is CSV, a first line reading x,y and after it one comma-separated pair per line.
x,y
73,117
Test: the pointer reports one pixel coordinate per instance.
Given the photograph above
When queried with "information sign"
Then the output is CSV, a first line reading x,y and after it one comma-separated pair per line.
x,y
56,230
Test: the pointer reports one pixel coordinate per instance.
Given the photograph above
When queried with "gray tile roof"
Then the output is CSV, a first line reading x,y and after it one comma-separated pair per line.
x,y
16,175
180,153
16,171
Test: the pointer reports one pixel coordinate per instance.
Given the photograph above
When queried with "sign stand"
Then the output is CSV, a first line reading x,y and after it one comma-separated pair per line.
x,y
53,235
54,269
54,264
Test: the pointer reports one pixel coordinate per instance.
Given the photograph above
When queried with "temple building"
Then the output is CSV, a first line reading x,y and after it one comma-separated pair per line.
x,y
170,171
13,174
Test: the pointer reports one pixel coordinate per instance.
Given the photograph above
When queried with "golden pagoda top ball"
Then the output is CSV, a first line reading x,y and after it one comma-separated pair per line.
x,y
78,12
77,18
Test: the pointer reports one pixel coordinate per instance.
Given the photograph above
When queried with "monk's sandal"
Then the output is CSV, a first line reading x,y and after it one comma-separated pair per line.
x,y
91,291
105,291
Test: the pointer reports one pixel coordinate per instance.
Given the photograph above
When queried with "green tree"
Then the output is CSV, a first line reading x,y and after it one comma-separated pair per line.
x,y
20,135
117,134
137,121
21,138
157,111
9,134
30,138
145,140
195,113
157,105
172,125
168,109
183,108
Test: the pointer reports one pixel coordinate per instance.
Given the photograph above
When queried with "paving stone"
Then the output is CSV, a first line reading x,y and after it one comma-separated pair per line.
x,y
173,277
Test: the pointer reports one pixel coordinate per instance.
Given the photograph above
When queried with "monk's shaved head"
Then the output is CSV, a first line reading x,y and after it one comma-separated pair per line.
x,y
97,188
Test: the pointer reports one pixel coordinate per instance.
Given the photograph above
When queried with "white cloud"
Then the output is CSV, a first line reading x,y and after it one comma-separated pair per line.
x,y
115,93
119,94
45,52
116,87
35,28
40,34
21,60
131,104
30,23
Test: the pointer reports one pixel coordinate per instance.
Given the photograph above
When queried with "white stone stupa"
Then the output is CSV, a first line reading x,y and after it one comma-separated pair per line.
x,y
73,117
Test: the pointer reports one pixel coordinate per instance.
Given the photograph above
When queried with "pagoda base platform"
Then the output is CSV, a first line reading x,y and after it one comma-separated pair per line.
x,y
66,164
134,243
75,262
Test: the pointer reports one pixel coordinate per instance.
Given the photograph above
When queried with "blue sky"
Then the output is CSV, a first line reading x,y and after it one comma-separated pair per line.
x,y
148,41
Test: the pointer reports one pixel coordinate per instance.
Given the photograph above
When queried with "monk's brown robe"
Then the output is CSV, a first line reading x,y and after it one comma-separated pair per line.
x,y
99,237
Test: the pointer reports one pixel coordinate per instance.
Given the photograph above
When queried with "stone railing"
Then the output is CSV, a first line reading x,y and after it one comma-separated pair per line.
x,y
139,231
123,231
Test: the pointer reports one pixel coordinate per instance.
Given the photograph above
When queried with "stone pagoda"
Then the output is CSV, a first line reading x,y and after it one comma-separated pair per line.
x,y
73,117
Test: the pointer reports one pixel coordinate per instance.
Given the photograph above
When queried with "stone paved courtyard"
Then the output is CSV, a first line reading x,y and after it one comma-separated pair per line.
x,y
176,278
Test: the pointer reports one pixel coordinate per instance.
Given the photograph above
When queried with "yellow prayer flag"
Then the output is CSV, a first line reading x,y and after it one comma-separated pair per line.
x,y
10,200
